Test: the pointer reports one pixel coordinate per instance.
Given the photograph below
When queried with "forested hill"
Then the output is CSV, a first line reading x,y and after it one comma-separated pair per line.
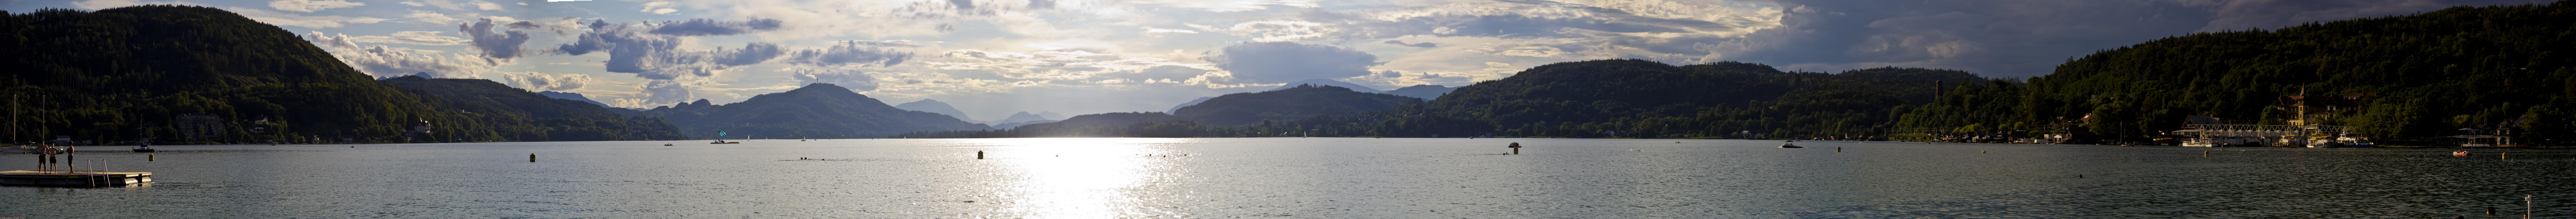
x,y
1638,98
2462,67
817,110
517,114
127,73
1287,104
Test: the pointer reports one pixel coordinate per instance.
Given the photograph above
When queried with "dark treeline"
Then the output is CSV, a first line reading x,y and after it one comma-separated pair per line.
x,y
2462,67
135,72
520,115
1602,98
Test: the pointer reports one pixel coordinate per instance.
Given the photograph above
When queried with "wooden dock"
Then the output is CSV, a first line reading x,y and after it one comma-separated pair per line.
x,y
76,178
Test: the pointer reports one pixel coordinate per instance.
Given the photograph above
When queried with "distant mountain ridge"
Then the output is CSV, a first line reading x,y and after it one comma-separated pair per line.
x,y
818,110
570,96
934,106
1426,92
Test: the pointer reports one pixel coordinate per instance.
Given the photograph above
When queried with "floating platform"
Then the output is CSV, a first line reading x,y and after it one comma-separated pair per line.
x,y
76,178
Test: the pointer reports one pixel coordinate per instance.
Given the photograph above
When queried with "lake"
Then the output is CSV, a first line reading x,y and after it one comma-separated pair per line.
x,y
1302,178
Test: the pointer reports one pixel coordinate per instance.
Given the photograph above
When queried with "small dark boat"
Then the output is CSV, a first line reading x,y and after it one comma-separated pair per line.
x,y
1790,145
143,148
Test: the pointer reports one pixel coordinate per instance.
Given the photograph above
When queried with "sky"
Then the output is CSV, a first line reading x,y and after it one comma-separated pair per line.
x,y
990,58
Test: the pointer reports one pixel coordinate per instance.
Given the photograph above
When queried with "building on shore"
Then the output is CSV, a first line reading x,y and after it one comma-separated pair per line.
x,y
2316,109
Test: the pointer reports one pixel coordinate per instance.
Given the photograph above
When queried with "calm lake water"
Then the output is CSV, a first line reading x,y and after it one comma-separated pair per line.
x,y
1302,178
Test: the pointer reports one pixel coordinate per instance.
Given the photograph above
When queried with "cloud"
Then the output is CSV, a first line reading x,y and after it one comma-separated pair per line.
x,y
429,17
382,61
543,81
285,19
496,47
1280,62
852,53
663,92
854,80
660,57
707,27
1421,45
310,6
1161,30
659,7
410,37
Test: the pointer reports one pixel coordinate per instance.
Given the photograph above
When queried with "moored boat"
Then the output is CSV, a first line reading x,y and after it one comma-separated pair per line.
x,y
143,148
2460,153
1790,144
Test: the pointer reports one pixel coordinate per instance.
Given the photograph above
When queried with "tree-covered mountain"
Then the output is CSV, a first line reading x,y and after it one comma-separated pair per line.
x,y
1329,82
517,114
2461,67
1292,103
934,106
136,72
817,110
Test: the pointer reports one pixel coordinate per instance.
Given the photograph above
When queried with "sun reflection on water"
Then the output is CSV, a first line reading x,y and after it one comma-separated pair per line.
x,y
1080,177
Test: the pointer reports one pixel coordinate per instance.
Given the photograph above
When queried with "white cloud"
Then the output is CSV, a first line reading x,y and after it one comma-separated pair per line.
x,y
310,5
382,61
411,37
429,17
544,81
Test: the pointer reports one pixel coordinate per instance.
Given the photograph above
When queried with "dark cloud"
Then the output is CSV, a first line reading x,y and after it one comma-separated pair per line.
x,y
710,27
496,46
1042,4
963,4
659,57
1278,62
1423,44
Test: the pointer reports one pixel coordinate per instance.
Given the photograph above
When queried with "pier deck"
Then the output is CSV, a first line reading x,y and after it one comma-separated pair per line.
x,y
75,178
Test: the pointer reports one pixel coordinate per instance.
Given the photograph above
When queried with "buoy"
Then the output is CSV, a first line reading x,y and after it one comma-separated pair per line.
x,y
979,155
149,157
532,157
1838,149
2204,153
2490,210
2079,176
1981,152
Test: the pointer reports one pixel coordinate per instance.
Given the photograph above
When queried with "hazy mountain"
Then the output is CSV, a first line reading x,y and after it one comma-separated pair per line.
x,y
569,96
1104,119
1293,103
1330,82
548,118
1192,102
1049,114
934,106
818,110
1018,124
1020,117
1426,92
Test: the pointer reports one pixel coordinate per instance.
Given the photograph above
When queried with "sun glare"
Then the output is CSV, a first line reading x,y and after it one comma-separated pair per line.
x,y
1080,177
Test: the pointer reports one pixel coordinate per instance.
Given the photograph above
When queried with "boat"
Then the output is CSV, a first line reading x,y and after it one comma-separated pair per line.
x,y
2356,142
2460,153
721,141
143,148
1791,144
666,144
